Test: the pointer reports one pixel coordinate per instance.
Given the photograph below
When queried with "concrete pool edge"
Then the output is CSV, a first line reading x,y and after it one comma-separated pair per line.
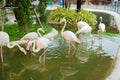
x,y
114,14
114,75
116,68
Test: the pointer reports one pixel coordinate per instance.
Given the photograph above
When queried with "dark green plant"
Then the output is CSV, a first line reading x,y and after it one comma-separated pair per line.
x,y
42,9
22,13
72,17
2,3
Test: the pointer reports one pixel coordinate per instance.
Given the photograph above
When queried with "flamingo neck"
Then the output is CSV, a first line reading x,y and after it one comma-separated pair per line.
x,y
63,27
34,48
100,20
13,44
38,31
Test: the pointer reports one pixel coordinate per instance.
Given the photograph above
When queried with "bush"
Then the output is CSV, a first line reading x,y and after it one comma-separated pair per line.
x,y
72,17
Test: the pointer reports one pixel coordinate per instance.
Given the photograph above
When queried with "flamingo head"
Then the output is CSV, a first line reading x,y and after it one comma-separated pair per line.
x,y
62,20
40,29
100,18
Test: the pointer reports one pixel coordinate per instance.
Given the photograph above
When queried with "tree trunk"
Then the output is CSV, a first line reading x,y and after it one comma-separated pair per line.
x,y
78,5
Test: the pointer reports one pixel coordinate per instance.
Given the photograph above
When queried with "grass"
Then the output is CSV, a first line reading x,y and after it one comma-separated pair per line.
x,y
16,33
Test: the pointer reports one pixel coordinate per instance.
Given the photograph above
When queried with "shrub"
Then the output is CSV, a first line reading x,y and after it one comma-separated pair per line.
x,y
72,17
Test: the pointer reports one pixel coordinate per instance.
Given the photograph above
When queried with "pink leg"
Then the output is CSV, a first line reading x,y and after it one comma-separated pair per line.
x,y
74,47
81,38
44,56
69,49
1,54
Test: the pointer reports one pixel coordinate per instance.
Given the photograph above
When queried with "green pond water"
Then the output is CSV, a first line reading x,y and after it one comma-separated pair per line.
x,y
89,62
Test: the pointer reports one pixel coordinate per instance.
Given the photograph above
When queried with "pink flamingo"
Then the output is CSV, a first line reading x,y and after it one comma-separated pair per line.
x,y
85,30
39,44
101,28
4,41
32,35
69,35
80,24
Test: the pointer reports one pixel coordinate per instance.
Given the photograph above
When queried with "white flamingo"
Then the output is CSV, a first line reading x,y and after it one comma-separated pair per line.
x,y
32,35
101,27
80,24
85,30
69,35
4,40
38,44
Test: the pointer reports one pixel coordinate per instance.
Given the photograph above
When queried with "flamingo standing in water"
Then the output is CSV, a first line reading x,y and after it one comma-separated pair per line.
x,y
32,35
4,40
85,30
101,28
69,36
38,44
80,24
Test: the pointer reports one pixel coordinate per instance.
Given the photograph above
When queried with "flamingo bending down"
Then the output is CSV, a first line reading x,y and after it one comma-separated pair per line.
x,y
13,44
101,27
80,24
39,44
85,30
4,40
69,35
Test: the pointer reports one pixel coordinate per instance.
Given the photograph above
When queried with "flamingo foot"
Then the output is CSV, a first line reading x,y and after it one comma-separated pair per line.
x,y
68,56
5,64
42,69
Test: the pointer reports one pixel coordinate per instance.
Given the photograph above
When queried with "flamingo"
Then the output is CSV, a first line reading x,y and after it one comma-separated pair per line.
x,y
39,44
4,40
80,24
101,27
85,30
69,36
32,35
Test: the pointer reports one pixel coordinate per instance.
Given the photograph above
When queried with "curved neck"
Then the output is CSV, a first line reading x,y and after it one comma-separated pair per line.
x,y
100,20
63,27
13,44
34,48
38,31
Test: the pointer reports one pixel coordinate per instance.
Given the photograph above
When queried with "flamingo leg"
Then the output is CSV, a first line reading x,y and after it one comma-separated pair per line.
x,y
43,56
100,34
69,49
81,37
86,38
92,39
74,47
1,54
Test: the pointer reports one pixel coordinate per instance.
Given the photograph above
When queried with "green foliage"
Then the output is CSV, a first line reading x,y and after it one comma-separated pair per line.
x,y
71,16
1,2
23,13
41,9
15,33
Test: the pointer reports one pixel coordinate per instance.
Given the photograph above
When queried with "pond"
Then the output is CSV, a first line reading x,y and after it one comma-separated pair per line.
x,y
91,61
